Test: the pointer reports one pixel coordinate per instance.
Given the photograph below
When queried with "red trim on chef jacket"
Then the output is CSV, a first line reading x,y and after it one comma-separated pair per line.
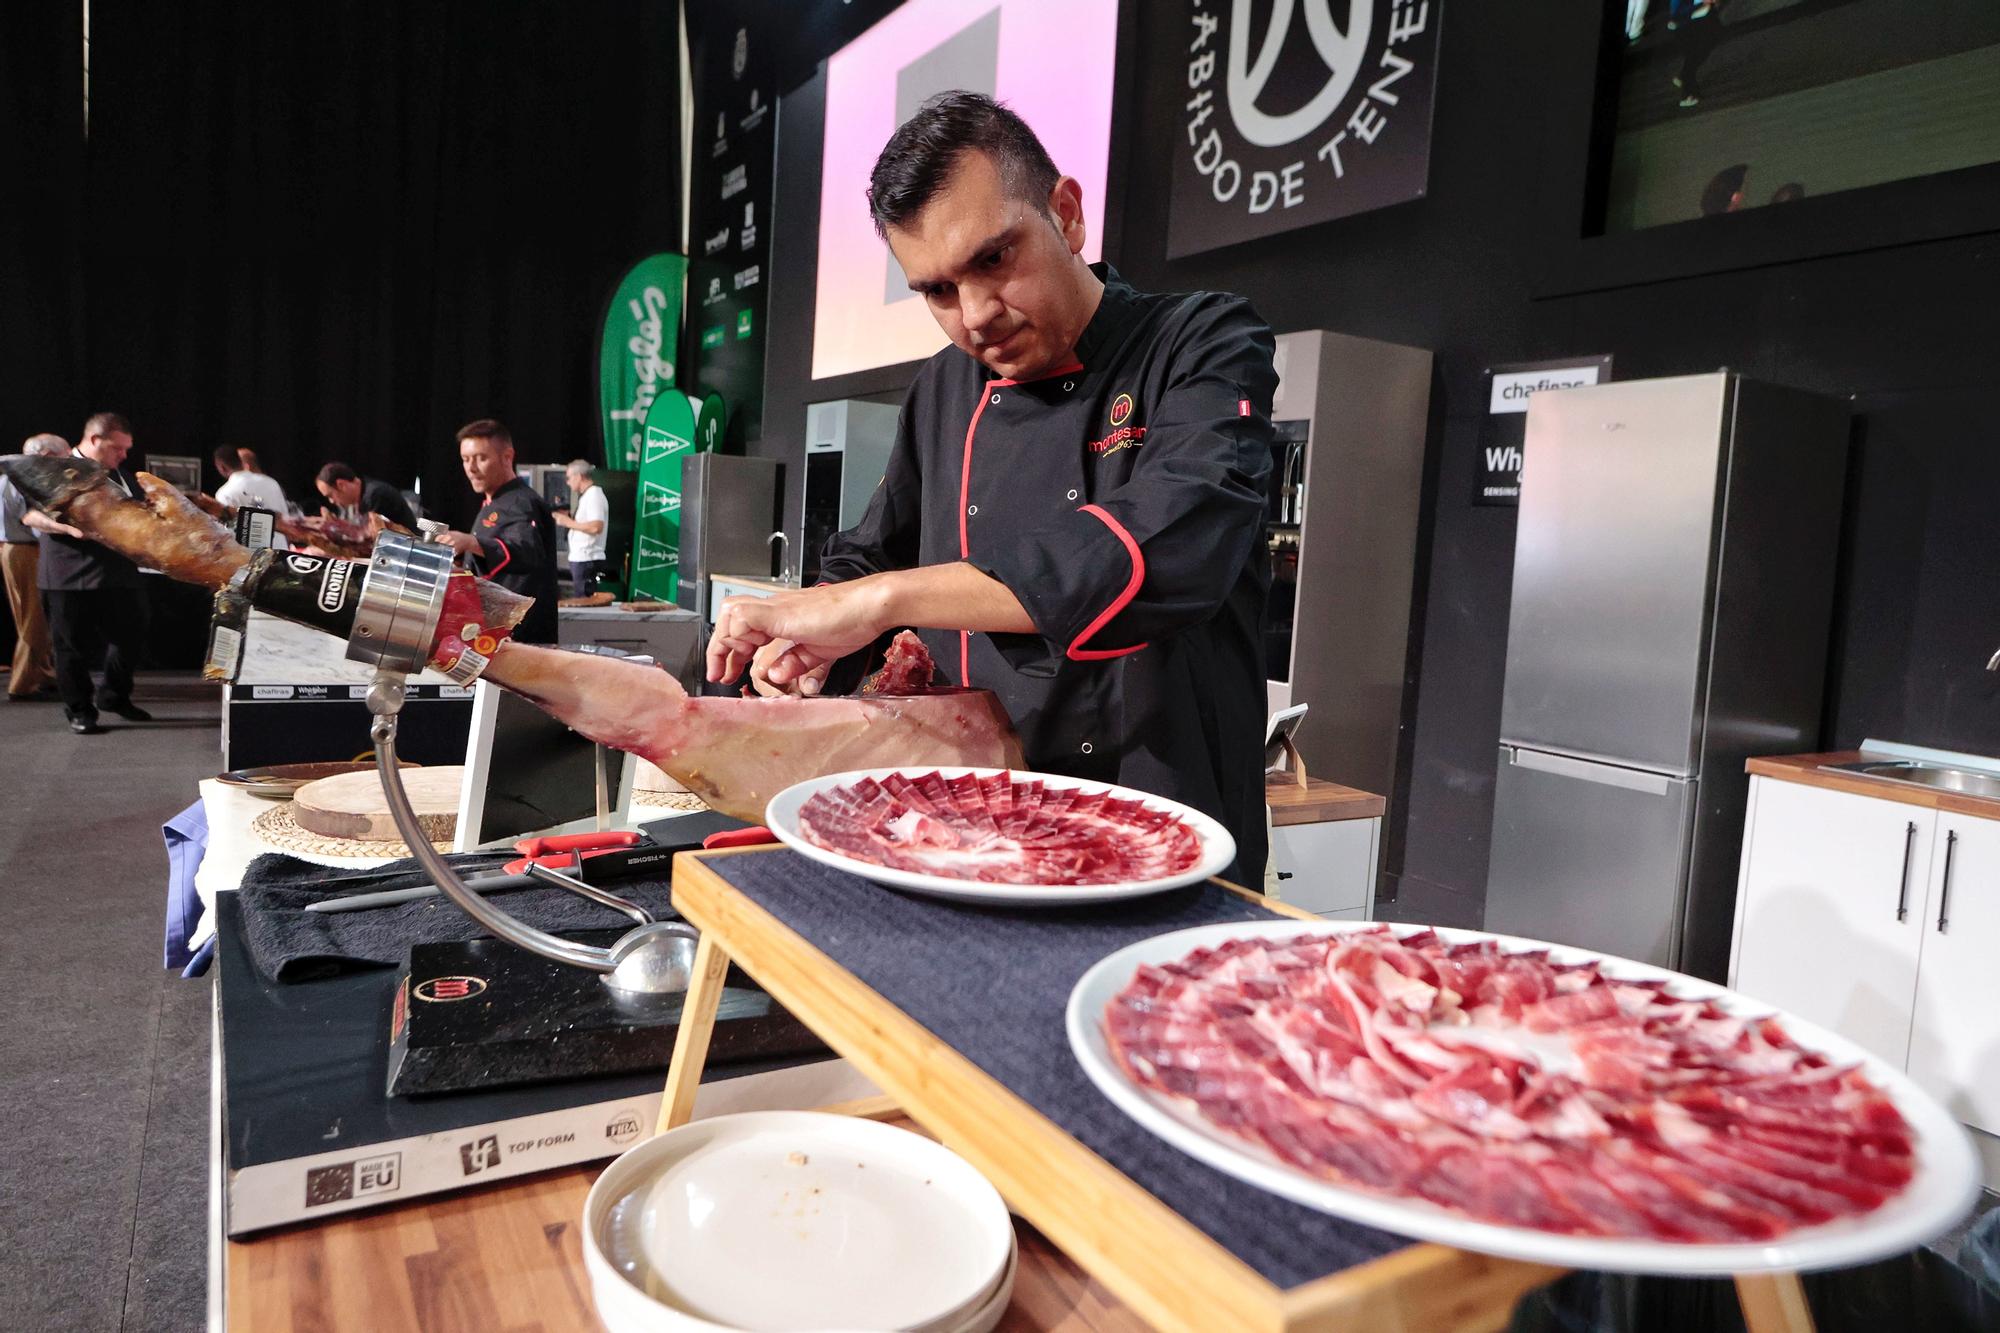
x,y
506,558
1079,653
965,496
1242,407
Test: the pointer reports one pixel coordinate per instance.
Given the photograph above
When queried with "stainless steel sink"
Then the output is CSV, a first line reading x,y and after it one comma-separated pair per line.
x,y
1944,777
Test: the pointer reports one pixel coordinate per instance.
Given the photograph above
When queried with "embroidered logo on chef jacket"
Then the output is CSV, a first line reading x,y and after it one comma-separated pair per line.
x,y
492,520
1124,435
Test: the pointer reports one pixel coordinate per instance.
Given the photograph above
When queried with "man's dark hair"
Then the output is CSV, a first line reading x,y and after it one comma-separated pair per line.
x,y
921,155
226,460
486,428
333,472
106,423
1722,187
1788,193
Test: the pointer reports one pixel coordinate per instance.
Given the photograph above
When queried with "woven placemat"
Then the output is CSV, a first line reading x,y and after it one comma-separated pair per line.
x,y
278,827
668,800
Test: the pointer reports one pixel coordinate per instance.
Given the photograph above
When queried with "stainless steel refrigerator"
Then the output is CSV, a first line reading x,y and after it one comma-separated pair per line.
x,y
1673,588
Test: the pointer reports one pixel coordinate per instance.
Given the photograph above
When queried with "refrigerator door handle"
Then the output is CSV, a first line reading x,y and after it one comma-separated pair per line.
x,y
1609,775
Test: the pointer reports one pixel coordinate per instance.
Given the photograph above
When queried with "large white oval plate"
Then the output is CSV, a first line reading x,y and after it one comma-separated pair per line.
x,y
796,1220
1936,1199
1218,848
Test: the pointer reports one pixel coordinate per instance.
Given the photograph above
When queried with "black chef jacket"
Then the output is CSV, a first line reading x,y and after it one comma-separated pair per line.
x,y
77,564
379,497
517,550
1121,499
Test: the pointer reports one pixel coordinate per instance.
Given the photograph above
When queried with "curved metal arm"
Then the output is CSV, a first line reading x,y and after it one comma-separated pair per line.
x,y
383,732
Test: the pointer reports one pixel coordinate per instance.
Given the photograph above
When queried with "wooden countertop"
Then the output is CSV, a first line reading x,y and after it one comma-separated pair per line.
x,y
510,1256
1317,802
1805,768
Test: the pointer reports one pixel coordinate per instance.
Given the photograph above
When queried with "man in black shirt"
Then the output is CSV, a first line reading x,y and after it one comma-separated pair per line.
x,y
513,538
353,497
96,597
1072,513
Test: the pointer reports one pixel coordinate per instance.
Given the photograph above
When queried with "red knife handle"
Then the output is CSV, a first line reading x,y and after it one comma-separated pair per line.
x,y
577,842
556,860
738,837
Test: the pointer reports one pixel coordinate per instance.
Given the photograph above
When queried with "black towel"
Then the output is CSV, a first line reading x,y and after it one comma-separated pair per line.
x,y
292,944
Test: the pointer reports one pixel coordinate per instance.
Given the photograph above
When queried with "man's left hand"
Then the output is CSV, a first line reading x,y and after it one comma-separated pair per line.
x,y
464,543
824,624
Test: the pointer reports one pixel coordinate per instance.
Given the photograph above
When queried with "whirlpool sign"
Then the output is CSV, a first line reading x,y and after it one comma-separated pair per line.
x,y
1293,112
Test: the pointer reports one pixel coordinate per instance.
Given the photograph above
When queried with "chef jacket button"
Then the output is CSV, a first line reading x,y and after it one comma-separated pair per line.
x,y
1068,385
1072,495
1086,747
996,397
972,509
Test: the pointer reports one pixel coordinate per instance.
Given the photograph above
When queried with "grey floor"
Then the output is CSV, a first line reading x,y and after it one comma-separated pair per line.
x,y
103,1055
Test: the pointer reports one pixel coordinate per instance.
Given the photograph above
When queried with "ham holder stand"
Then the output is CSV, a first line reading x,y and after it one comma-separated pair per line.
x,y
401,599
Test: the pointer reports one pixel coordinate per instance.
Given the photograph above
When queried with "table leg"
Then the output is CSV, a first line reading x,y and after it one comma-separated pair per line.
x,y
704,998
1774,1303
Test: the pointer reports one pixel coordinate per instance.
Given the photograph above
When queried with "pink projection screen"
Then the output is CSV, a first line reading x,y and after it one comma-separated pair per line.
x,y
1050,60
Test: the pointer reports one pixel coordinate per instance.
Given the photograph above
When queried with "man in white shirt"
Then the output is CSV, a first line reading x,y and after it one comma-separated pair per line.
x,y
240,486
589,524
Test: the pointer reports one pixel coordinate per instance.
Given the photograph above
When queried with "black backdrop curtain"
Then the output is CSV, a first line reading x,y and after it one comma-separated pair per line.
x,y
340,231
41,172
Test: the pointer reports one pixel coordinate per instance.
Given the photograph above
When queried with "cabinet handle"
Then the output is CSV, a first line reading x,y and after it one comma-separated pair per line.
x,y
1903,884
1944,890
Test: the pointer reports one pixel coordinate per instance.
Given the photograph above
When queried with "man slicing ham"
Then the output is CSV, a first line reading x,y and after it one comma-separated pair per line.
x,y
1071,514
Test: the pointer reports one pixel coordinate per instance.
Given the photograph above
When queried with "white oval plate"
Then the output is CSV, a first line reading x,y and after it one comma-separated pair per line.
x,y
793,1220
1936,1199
1218,848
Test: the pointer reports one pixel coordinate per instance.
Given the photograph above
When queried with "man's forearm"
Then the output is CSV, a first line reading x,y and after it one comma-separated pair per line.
x,y
953,596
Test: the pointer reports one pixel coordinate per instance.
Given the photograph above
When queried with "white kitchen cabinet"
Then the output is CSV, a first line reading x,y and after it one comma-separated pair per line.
x,y
1955,1031
1328,867
1829,910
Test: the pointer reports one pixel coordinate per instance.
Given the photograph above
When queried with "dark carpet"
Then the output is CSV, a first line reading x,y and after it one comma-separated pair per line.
x,y
104,1095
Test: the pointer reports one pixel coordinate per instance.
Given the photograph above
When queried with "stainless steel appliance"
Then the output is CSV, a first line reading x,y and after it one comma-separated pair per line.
x,y
728,507
1344,503
847,451
1673,588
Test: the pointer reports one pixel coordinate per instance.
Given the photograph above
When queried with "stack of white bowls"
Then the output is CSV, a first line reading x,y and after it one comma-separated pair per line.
x,y
796,1222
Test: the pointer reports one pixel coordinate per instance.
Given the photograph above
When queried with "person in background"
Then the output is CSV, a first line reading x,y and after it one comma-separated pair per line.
x,y
32,679
353,497
513,538
589,524
96,598
243,486
1724,191
1788,193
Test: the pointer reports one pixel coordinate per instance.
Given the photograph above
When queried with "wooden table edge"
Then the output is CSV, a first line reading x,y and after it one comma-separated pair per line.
x,y
711,903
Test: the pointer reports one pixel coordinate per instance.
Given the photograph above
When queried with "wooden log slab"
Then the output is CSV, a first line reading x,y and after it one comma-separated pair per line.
x,y
354,805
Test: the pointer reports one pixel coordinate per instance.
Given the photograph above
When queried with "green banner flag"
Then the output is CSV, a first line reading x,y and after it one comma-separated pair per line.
x,y
636,363
712,423
656,542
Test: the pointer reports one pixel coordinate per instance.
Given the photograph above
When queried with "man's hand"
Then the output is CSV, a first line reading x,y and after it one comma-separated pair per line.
x,y
464,543
822,625
35,518
793,676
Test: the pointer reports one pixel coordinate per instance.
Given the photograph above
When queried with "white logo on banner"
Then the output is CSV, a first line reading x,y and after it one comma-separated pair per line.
x,y
1339,51
655,499
656,556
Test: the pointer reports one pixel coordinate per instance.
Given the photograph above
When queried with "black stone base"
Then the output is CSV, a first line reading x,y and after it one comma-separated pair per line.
x,y
484,1014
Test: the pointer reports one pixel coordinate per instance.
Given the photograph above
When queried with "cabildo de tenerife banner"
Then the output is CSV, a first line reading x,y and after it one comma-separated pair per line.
x,y
1291,112
636,365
